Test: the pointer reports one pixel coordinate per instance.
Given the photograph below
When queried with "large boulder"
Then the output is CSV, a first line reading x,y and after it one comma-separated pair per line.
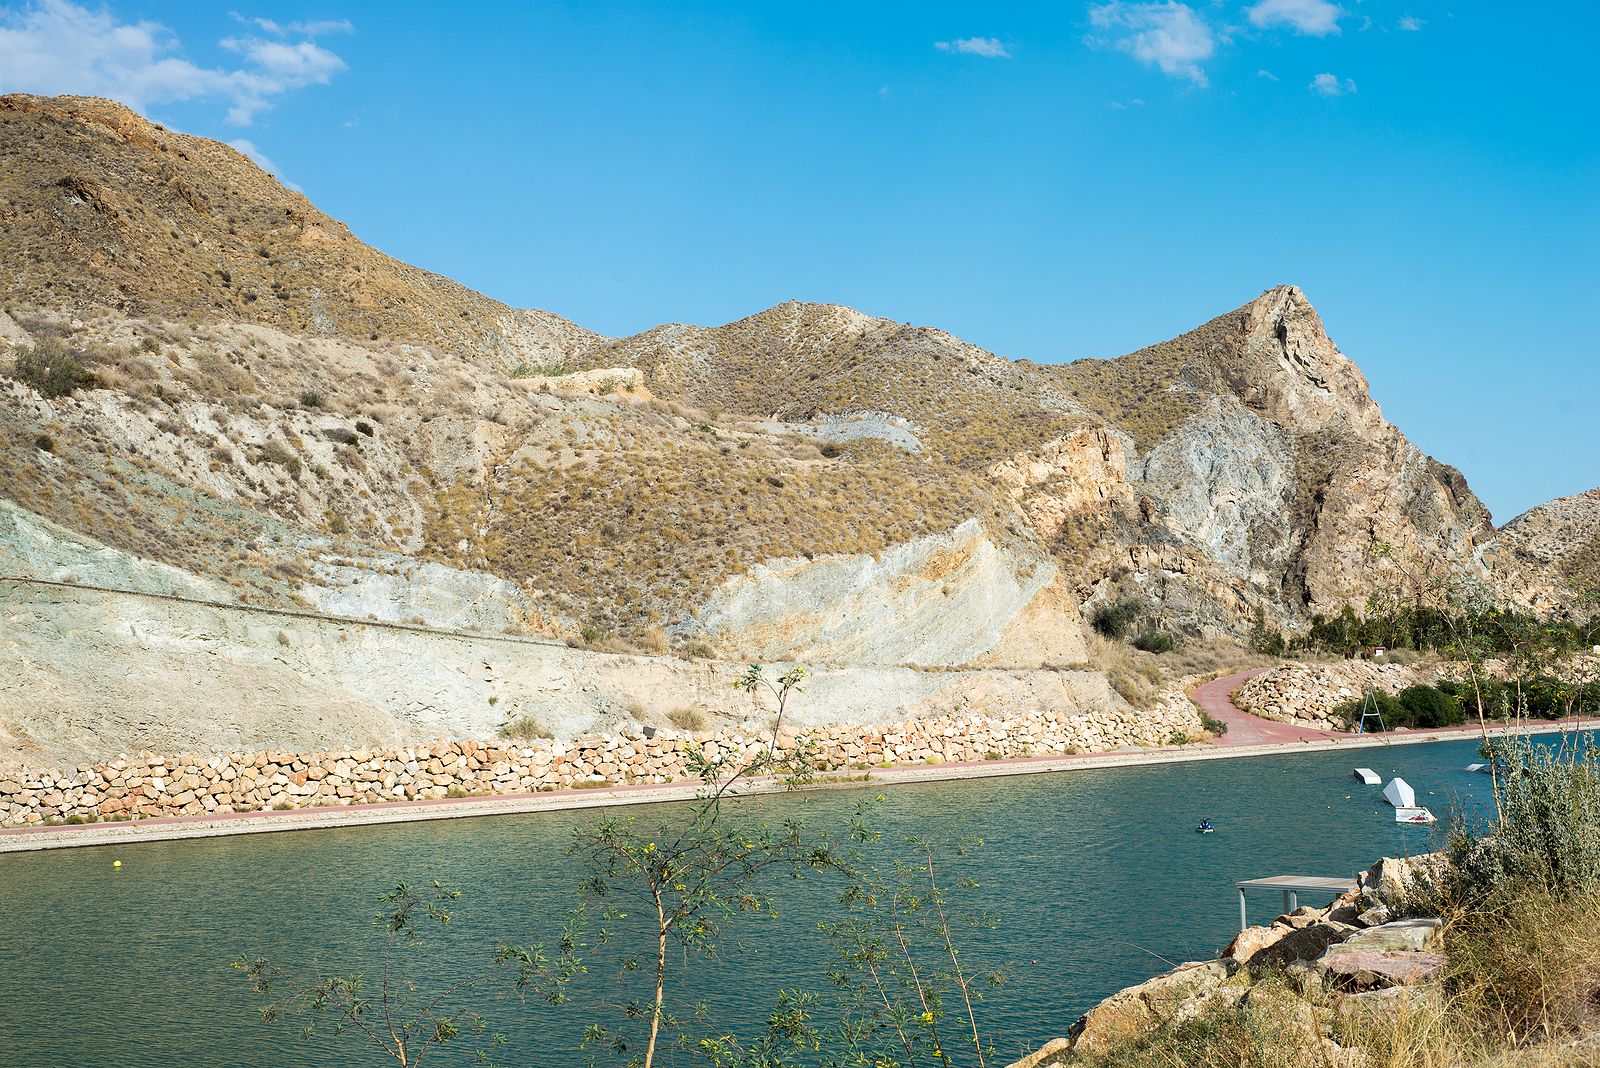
x,y
1391,955
1306,944
1052,1053
1399,936
1376,971
1177,995
1392,880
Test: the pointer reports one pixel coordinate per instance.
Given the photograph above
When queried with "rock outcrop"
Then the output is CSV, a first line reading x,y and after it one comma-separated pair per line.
x,y
1549,557
1351,961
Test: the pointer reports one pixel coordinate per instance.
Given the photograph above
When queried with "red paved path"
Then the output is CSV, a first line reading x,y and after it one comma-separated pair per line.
x,y
1244,729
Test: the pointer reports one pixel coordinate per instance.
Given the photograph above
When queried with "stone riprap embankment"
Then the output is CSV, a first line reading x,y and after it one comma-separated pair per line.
x,y
150,785
1355,965
1306,694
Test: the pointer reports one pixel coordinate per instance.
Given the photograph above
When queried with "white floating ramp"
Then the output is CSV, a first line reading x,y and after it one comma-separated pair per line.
x,y
1368,776
1400,794
1413,814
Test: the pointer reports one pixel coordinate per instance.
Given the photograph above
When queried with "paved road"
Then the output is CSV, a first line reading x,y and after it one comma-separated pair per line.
x,y
1244,729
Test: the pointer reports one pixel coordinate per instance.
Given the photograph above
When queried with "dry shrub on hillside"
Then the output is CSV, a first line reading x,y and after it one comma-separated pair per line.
x,y
649,521
1138,677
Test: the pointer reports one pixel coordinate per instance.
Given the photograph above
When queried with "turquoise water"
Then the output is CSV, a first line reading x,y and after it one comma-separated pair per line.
x,y
1095,876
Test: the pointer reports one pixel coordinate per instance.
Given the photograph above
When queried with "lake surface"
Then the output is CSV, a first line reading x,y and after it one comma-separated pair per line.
x,y
1094,875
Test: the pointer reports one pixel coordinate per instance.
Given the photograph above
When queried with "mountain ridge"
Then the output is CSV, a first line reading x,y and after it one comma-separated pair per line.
x,y
366,437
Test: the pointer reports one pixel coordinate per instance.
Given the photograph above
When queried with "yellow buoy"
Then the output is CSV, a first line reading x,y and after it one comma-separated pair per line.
x,y
116,863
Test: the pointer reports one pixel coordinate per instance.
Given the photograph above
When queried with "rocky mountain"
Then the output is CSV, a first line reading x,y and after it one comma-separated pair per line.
x,y
282,417
1547,553
102,210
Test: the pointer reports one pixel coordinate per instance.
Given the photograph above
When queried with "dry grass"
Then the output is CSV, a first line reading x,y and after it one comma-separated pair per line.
x,y
634,519
688,719
1522,991
1139,677
525,729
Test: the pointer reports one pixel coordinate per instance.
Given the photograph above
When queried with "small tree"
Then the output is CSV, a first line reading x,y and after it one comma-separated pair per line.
x,y
909,998
685,880
392,1011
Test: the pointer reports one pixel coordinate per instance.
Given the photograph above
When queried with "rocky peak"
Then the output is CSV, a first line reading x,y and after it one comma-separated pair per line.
x,y
1291,370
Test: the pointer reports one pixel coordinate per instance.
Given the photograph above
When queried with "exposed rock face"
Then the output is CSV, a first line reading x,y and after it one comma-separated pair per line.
x,y
292,418
84,674
947,600
1072,477
1544,556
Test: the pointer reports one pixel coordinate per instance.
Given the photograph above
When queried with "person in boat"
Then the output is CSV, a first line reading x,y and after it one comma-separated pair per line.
x,y
1205,827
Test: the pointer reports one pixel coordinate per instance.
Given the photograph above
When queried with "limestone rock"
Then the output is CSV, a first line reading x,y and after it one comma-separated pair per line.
x,y
1370,970
1178,993
1053,1053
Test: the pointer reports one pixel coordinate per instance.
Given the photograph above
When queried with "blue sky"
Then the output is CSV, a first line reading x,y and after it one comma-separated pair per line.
x,y
1049,181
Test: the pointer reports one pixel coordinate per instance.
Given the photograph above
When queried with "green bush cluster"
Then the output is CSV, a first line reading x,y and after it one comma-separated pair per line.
x,y
1415,707
1548,833
1152,640
51,369
1540,697
1116,618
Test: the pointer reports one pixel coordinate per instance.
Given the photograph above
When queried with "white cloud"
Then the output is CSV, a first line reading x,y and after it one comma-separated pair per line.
x,y
1267,74
1315,18
1331,85
1124,105
318,28
987,47
1411,24
1166,35
56,46
256,156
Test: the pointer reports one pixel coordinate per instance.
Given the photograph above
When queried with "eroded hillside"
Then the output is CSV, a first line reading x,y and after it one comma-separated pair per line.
x,y
278,415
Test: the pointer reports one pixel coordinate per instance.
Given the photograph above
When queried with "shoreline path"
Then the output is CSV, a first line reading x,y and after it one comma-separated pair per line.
x,y
1246,736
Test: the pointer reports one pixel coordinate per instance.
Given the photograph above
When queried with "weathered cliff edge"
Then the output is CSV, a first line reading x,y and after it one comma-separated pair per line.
x,y
1369,963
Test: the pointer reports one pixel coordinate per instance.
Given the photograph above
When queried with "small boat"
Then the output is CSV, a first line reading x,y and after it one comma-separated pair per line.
x,y
1478,767
1205,828
1369,777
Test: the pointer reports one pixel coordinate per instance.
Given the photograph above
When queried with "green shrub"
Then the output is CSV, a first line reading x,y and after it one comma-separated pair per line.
x,y
51,369
44,443
1548,833
1427,706
310,399
1349,712
1212,724
1114,619
1152,640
